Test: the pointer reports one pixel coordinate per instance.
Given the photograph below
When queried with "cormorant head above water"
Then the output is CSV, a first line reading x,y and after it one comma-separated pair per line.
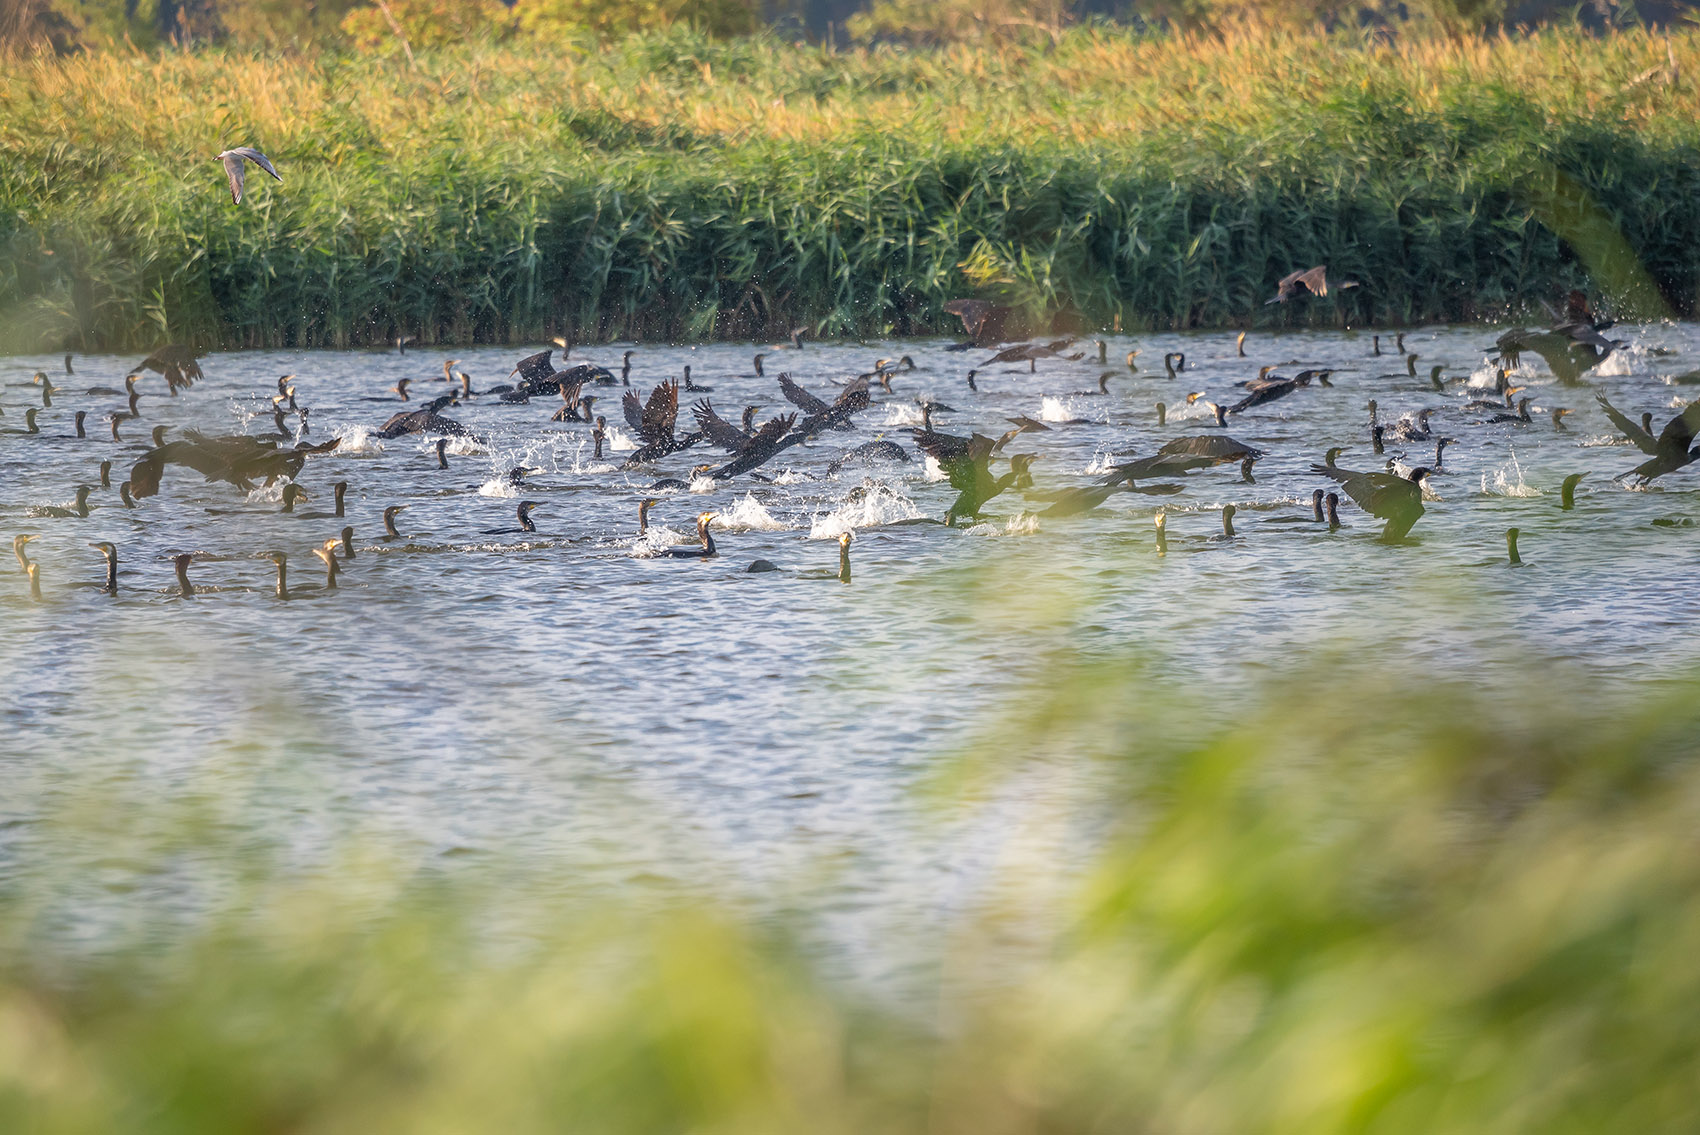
x,y
111,554
643,513
705,546
18,544
292,493
389,520
328,558
182,561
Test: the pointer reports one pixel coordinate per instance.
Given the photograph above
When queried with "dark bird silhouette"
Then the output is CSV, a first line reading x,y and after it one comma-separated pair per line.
x,y
653,422
174,357
752,450
1311,282
1672,449
525,522
1641,436
704,547
1386,496
987,323
967,463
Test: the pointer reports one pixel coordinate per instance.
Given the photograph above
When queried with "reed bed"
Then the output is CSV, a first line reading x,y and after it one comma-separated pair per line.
x,y
673,187
1383,907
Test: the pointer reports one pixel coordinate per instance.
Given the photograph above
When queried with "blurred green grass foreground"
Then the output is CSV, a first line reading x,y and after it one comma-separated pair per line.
x,y
1377,907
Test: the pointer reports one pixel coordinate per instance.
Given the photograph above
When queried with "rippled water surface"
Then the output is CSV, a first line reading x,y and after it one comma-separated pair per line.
x,y
566,694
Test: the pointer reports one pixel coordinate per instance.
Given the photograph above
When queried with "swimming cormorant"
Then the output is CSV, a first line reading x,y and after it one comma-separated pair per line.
x,y
282,562
1162,523
390,532
106,474
81,414
328,558
1333,512
124,495
292,493
79,510
703,549
1316,505
182,561
348,542
1567,491
1558,415
692,388
525,522
1228,511
1511,547
111,554
1521,417
18,543
442,458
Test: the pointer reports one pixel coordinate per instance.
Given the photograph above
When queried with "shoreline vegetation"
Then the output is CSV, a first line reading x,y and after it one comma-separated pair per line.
x,y
672,186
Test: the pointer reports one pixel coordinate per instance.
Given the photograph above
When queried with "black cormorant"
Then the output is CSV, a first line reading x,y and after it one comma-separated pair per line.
x,y
703,549
1567,491
1310,282
1385,496
525,522
182,561
79,510
390,532
111,554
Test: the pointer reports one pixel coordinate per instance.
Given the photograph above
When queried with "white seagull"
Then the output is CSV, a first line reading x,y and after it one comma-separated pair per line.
x,y
237,173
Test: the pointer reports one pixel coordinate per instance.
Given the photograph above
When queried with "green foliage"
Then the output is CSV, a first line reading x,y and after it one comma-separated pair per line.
x,y
671,185
952,21
547,18
424,23
1401,907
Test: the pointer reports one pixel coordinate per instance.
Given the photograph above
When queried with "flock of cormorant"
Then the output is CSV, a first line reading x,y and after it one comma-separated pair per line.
x,y
975,465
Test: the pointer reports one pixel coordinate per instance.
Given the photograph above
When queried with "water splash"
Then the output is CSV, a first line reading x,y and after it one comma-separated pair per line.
x,y
748,515
1507,481
357,441
902,414
876,503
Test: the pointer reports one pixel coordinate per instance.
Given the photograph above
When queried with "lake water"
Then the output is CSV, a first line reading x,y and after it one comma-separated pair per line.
x,y
565,698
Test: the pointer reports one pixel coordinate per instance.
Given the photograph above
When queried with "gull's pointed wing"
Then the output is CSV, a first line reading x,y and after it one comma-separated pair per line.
x,y
234,171
258,159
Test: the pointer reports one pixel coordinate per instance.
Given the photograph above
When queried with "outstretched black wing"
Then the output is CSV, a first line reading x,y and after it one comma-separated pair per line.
x,y
1643,440
718,430
802,399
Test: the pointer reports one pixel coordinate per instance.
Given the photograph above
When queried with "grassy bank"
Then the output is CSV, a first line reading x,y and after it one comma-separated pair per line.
x,y
674,187
1460,910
